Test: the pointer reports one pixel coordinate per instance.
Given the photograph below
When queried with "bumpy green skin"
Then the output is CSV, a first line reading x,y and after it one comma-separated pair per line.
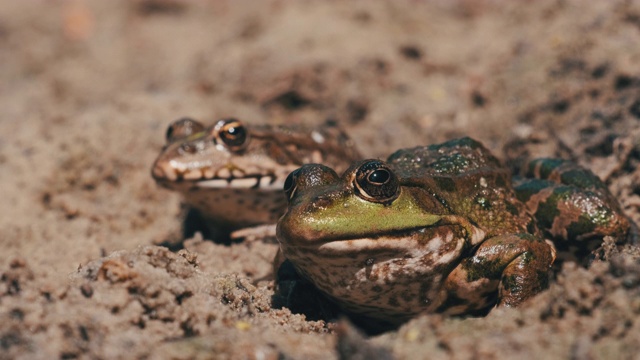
x,y
468,180
570,203
456,239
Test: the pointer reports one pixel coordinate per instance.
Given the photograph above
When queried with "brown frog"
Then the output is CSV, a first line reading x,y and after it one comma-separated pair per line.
x,y
440,228
232,173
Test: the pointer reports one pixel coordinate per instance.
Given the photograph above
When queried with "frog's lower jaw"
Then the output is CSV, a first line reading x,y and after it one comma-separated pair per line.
x,y
177,176
389,278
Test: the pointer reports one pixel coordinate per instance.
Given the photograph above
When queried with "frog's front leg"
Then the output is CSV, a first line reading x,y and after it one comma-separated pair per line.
x,y
513,267
570,202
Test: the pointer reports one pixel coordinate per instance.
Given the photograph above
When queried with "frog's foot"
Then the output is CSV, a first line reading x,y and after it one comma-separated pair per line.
x,y
516,267
571,203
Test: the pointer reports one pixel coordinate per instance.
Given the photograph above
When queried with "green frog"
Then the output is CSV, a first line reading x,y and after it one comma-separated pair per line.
x,y
442,228
232,173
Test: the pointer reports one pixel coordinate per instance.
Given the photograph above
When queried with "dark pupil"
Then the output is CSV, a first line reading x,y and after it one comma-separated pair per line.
x,y
234,135
379,176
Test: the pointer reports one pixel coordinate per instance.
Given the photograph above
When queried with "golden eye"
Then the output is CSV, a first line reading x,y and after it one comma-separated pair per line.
x,y
182,128
375,182
232,133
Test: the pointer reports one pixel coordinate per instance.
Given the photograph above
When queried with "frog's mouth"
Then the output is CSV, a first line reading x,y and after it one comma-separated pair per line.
x,y
205,178
413,243
247,182
433,237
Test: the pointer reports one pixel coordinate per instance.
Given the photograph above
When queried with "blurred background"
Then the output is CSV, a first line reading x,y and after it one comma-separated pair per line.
x,y
87,89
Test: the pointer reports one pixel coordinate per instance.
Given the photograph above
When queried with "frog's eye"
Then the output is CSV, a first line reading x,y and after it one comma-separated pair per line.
x,y
376,182
182,128
291,184
232,133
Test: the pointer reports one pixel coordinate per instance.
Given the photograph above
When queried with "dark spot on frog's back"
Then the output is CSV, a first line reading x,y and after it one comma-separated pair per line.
x,y
445,183
503,180
548,210
512,208
527,189
581,178
584,225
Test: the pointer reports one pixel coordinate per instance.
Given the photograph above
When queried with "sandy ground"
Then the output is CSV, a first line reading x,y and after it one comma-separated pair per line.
x,y
88,87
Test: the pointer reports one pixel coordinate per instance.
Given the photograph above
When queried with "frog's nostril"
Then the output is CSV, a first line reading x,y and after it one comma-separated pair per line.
x,y
188,148
321,201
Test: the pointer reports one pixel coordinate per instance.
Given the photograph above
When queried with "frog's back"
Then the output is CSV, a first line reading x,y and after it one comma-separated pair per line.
x,y
468,180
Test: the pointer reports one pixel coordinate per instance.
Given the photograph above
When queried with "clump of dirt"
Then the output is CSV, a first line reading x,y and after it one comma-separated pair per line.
x,y
586,313
134,299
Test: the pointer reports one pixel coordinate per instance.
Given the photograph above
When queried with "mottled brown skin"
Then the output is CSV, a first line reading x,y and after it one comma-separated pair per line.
x,y
434,229
232,173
